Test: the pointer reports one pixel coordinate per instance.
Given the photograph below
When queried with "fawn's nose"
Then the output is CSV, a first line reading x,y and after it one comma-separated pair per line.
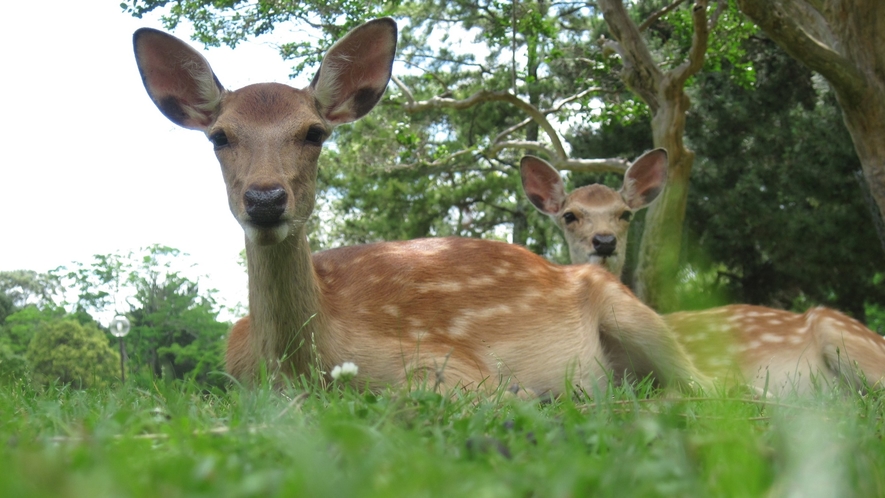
x,y
605,244
265,205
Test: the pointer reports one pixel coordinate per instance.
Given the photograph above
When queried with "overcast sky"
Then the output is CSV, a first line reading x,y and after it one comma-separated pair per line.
x,y
90,166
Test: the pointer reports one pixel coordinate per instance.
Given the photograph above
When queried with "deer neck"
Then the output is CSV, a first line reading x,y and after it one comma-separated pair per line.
x,y
284,303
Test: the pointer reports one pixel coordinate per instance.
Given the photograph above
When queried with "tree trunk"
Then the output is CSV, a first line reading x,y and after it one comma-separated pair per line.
x,y
844,41
657,265
658,262
532,130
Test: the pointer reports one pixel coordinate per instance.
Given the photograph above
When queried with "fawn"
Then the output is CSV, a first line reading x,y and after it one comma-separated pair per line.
x,y
774,350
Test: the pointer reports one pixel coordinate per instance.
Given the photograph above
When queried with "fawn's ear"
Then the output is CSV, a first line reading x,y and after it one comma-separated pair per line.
x,y
355,71
177,78
645,179
542,184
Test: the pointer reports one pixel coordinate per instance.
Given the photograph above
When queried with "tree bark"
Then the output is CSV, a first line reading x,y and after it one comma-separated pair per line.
x,y
664,93
844,41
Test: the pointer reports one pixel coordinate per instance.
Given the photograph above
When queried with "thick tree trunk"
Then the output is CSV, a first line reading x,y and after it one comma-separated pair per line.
x,y
866,123
844,41
658,260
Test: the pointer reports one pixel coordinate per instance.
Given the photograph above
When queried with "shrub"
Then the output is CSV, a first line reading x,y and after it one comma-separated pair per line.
x,y
70,353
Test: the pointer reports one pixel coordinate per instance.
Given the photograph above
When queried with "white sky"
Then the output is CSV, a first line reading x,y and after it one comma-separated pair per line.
x,y
90,166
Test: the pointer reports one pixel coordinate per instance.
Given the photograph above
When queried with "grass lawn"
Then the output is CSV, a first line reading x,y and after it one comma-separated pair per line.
x,y
168,440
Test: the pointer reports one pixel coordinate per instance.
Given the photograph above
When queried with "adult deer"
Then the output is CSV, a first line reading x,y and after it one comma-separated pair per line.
x,y
772,349
455,312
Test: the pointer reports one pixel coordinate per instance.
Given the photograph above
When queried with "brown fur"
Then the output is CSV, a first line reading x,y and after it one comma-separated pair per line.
x,y
471,312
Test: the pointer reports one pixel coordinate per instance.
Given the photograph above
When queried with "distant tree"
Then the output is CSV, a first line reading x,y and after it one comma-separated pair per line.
x,y
79,355
18,330
20,327
19,288
175,328
175,331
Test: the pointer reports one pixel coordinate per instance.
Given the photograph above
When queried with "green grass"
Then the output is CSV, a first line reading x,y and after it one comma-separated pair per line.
x,y
170,440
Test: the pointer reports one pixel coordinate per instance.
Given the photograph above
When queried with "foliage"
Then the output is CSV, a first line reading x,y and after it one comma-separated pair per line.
x,y
69,353
13,367
774,196
175,329
21,326
16,333
22,287
175,440
876,318
230,22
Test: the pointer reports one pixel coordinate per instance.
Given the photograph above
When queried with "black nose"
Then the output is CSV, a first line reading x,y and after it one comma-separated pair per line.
x,y
265,205
605,245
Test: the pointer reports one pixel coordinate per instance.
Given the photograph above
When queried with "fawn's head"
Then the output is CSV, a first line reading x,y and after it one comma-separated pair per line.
x,y
268,136
595,218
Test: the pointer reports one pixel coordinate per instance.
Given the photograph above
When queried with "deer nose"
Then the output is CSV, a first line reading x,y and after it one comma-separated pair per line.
x,y
265,205
605,244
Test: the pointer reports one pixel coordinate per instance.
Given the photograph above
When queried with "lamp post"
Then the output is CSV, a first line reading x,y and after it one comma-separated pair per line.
x,y
120,327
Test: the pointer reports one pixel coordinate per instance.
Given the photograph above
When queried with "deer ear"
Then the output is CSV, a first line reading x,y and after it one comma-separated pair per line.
x,y
177,78
542,184
645,179
355,71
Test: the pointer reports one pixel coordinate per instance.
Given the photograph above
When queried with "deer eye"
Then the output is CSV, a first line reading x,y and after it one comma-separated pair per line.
x,y
218,139
315,135
569,217
627,216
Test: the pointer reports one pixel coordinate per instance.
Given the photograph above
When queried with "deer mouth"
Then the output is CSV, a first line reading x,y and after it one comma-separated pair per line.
x,y
598,259
264,233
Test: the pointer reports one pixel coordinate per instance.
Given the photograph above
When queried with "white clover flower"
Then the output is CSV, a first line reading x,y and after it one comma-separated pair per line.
x,y
345,371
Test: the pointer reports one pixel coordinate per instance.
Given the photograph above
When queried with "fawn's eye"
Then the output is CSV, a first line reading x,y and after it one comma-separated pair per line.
x,y
569,217
627,216
315,135
218,139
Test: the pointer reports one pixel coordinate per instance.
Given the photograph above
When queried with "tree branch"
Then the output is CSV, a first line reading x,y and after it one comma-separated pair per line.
x,y
493,150
404,88
440,164
483,96
640,72
556,107
798,40
695,61
658,14
721,5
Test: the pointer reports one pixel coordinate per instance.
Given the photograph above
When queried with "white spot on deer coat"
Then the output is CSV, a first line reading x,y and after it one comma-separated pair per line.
x,y
772,338
470,318
451,286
